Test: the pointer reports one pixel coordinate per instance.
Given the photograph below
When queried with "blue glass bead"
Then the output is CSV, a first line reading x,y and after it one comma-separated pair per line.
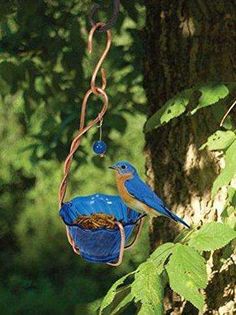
x,y
99,147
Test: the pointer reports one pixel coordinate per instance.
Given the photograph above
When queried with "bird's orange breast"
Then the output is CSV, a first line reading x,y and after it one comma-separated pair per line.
x,y
120,181
127,198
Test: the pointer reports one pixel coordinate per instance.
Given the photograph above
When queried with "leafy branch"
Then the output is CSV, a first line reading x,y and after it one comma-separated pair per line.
x,y
182,265
189,101
223,141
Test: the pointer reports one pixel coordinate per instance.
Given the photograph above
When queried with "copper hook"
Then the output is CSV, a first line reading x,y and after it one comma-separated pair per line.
x,y
101,60
76,142
113,19
97,91
122,245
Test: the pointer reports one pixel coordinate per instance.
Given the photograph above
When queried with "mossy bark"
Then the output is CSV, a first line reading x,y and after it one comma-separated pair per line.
x,y
187,42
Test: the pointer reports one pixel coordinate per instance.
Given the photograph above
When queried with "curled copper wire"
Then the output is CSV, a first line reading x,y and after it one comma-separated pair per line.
x,y
101,60
98,91
77,140
113,19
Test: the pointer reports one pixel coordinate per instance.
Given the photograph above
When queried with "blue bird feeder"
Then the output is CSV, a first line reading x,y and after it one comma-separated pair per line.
x,y
101,245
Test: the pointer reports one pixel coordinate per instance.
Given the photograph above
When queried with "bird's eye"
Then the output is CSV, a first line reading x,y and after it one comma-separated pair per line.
x,y
123,167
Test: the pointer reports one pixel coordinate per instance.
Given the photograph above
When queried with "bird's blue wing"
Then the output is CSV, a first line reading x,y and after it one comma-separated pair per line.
x,y
142,192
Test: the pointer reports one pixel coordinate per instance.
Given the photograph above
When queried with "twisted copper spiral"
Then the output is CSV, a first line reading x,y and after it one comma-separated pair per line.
x,y
98,91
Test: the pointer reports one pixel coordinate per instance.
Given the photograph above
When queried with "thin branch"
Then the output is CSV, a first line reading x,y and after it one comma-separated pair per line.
x,y
227,113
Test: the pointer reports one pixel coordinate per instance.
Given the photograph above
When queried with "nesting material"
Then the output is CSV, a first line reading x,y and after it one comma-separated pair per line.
x,y
96,221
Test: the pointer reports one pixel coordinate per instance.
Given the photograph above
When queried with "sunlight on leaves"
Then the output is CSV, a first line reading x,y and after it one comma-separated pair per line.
x,y
220,140
187,274
161,254
112,292
127,298
147,289
229,214
199,96
212,236
172,109
211,94
229,172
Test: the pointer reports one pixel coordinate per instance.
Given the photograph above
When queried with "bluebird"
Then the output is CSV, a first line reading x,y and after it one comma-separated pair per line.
x,y
137,195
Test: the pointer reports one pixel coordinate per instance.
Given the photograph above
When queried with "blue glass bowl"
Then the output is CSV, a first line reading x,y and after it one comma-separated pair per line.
x,y
98,245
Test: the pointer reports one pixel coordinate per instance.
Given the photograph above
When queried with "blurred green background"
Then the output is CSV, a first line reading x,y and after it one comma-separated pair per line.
x,y
44,72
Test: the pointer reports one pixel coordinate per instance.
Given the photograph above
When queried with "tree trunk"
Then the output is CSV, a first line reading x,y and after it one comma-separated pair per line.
x,y
187,42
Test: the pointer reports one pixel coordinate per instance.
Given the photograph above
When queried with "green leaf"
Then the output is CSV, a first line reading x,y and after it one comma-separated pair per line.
x,y
187,274
212,236
161,254
229,216
123,298
93,307
147,309
111,294
220,140
147,289
171,109
229,172
231,198
211,94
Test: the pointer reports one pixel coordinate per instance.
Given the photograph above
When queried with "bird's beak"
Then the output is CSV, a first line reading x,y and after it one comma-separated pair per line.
x,y
112,167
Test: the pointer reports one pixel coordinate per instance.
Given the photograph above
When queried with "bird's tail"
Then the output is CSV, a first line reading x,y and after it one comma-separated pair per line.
x,y
175,217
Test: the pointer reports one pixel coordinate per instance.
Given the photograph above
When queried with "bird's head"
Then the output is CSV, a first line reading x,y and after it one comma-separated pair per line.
x,y
124,167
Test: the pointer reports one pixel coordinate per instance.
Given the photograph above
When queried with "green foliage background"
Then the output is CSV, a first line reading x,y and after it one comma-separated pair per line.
x,y
44,73
45,70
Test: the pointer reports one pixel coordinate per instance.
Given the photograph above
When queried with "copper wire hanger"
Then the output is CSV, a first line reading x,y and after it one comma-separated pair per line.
x,y
98,91
113,19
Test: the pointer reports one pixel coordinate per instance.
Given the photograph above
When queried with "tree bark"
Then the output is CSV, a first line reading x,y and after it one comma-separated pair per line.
x,y
187,42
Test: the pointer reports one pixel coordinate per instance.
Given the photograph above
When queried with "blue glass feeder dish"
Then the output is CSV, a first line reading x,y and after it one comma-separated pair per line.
x,y
100,245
